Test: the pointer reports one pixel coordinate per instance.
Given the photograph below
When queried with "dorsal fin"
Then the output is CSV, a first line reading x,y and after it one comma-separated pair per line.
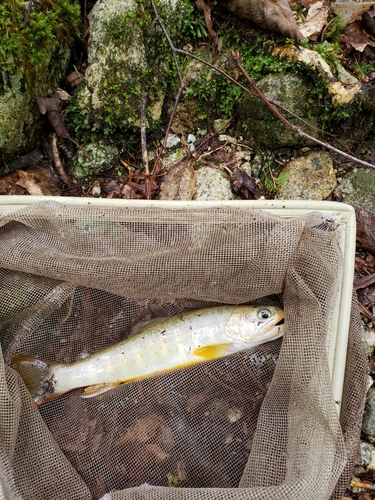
x,y
140,327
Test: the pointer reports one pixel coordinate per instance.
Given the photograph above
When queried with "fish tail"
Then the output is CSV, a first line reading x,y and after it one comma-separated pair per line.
x,y
38,376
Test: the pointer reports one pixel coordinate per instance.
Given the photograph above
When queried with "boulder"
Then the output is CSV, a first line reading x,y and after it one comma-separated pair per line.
x,y
292,92
128,54
32,63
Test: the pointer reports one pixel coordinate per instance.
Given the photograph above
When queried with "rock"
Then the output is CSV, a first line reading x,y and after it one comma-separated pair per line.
x,y
212,184
342,92
292,92
31,68
311,177
172,141
368,423
366,453
104,157
368,337
358,189
127,55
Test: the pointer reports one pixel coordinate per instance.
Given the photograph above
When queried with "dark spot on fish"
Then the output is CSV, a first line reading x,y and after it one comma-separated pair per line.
x,y
143,338
51,385
122,353
163,332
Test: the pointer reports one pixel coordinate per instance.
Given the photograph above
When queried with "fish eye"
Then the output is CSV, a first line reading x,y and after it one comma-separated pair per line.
x,y
264,313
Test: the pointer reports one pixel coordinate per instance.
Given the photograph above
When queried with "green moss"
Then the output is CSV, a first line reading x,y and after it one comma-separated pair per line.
x,y
31,32
217,94
143,64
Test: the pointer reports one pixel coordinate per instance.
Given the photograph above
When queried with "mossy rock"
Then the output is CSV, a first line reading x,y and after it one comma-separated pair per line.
x,y
291,91
34,54
128,54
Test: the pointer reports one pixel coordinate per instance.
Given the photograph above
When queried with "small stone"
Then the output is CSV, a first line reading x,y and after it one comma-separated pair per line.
x,y
103,158
370,463
226,138
368,423
311,177
212,184
172,158
368,337
220,125
366,453
359,188
234,414
191,138
172,141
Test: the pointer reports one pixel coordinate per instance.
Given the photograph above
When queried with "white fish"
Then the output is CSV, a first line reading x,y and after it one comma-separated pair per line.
x,y
154,347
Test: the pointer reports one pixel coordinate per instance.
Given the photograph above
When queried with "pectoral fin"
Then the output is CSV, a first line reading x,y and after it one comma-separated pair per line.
x,y
95,390
214,351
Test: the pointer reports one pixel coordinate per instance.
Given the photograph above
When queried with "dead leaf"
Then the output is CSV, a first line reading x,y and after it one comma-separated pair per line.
x,y
244,185
354,36
203,7
51,106
179,183
9,186
365,230
368,23
36,181
74,78
273,15
316,19
141,431
350,11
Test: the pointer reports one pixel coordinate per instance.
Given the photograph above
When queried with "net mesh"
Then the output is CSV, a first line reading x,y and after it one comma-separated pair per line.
x,y
258,424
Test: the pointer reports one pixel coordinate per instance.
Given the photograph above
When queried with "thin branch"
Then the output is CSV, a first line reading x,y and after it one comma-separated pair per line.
x,y
143,132
58,163
158,163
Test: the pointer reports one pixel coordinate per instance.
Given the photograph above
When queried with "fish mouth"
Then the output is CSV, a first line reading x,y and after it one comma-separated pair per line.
x,y
278,328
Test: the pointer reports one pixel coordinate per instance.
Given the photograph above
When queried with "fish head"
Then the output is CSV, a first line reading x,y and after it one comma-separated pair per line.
x,y
254,325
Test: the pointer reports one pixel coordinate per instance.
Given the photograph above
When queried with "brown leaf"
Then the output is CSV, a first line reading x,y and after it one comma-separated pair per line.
x,y
355,36
142,430
9,186
36,181
365,230
244,185
179,183
51,106
350,11
203,7
274,15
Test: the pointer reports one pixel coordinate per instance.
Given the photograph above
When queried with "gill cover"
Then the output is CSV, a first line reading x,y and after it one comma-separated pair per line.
x,y
255,327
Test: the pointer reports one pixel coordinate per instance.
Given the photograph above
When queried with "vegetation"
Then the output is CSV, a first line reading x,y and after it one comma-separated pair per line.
x,y
31,31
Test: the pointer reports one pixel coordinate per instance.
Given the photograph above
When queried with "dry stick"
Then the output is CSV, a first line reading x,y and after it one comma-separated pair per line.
x,y
182,83
143,132
57,162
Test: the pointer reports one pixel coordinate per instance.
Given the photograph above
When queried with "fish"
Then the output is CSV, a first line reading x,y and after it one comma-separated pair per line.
x,y
154,347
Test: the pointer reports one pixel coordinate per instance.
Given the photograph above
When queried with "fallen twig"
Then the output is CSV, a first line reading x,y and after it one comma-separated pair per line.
x,y
158,162
143,132
58,163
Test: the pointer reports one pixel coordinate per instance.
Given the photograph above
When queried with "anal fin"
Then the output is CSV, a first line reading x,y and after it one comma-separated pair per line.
x,y
214,351
95,390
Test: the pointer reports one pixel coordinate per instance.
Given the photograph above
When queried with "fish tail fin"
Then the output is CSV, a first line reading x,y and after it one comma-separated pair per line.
x,y
38,376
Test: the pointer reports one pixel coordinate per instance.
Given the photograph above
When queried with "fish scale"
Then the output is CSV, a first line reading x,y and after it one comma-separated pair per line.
x,y
154,347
